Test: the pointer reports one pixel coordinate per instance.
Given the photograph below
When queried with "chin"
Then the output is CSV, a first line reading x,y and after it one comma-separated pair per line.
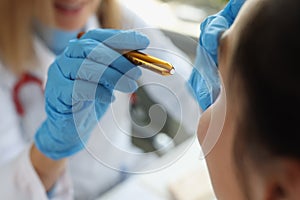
x,y
72,21
69,26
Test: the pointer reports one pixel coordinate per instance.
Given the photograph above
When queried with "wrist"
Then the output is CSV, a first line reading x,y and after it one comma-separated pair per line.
x,y
47,169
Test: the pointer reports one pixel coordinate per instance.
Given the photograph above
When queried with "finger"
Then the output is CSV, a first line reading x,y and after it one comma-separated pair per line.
x,y
115,80
211,31
117,39
58,90
88,91
122,65
109,77
99,53
200,90
106,56
234,7
80,49
214,25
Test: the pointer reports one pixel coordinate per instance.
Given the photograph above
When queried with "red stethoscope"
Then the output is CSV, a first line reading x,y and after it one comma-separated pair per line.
x,y
24,80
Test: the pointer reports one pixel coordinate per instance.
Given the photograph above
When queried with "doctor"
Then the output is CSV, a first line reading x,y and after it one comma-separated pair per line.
x,y
43,134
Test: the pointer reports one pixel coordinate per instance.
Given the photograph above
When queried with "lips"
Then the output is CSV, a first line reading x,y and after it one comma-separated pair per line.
x,y
69,8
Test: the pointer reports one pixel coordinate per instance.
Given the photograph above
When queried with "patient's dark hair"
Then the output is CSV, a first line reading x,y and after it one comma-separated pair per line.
x,y
266,60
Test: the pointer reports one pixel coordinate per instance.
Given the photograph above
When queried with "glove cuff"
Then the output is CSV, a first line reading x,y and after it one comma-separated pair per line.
x,y
52,148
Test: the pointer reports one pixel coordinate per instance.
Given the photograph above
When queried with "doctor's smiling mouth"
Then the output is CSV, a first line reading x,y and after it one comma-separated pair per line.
x,y
69,8
72,14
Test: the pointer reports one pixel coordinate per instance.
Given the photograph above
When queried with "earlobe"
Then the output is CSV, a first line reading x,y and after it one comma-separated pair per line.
x,y
284,182
291,179
275,191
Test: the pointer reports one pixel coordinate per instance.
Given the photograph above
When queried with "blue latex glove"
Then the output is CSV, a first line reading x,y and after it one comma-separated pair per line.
x,y
80,88
204,79
214,25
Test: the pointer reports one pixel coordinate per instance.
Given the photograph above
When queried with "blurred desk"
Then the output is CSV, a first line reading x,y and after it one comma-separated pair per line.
x,y
185,178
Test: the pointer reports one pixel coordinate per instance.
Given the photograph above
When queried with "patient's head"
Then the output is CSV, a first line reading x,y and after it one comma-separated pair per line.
x,y
262,79
261,71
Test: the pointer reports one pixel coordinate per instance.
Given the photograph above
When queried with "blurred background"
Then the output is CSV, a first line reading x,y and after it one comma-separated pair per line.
x,y
180,21
180,16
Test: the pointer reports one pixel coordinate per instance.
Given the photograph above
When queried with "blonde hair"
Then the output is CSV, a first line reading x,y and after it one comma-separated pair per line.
x,y
109,14
15,41
16,18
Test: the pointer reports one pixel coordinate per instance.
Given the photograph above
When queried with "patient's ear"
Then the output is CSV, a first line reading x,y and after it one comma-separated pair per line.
x,y
283,181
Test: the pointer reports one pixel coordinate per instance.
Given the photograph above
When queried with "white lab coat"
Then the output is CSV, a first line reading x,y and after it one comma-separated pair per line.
x,y
91,171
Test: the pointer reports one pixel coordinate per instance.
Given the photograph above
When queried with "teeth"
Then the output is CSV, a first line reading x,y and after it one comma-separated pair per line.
x,y
70,6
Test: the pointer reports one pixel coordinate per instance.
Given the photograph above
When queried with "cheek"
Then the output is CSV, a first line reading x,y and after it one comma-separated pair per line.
x,y
94,5
203,125
212,122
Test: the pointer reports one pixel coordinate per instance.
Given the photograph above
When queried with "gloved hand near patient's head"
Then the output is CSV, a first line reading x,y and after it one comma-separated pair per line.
x,y
204,79
213,26
80,88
